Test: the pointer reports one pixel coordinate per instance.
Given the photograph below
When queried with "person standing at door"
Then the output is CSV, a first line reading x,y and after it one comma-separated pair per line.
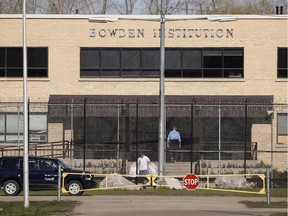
x,y
174,143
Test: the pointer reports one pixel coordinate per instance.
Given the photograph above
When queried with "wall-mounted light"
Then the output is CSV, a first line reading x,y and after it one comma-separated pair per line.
x,y
269,112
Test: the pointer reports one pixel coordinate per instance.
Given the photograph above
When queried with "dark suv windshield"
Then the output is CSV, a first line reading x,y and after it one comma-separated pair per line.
x,y
63,165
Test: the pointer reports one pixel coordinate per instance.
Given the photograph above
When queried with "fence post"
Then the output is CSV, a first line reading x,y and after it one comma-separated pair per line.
x,y
59,184
52,149
268,185
84,134
191,136
245,136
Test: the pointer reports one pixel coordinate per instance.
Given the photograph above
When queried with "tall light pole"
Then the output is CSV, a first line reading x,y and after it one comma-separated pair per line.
x,y
161,148
25,114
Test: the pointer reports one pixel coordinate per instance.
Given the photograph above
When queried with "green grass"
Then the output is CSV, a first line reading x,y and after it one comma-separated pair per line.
x,y
36,208
278,205
170,192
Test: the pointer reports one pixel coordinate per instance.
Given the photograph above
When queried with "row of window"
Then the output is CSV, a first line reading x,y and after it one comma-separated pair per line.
x,y
144,62
139,62
11,62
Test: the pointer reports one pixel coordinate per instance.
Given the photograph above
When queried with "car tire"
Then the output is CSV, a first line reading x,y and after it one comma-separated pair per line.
x,y
74,187
11,188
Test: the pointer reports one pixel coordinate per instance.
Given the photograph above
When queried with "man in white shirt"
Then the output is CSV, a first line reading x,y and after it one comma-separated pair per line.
x,y
143,165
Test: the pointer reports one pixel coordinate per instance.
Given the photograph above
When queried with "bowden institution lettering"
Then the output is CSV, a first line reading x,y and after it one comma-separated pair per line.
x,y
170,33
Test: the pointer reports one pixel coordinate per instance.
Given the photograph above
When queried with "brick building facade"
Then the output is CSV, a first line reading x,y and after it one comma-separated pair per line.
x,y
242,58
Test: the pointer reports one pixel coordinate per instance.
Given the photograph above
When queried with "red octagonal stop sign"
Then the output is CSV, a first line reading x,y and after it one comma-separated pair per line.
x,y
191,181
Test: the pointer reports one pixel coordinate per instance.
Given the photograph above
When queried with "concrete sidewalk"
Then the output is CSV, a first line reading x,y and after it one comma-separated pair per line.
x,y
161,205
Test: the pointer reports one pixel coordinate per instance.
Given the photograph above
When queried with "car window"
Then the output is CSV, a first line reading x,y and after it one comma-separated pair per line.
x,y
32,164
45,164
9,163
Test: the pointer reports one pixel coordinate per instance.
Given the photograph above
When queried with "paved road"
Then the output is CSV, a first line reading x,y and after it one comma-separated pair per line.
x,y
160,205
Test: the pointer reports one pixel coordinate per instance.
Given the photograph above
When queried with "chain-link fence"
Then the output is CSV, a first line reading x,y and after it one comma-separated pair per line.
x,y
216,134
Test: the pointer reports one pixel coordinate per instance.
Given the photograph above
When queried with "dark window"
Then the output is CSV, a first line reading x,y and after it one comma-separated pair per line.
x,y
14,72
212,58
150,73
131,73
130,58
233,58
90,73
173,58
89,58
37,57
233,73
11,62
150,58
14,57
282,63
2,57
192,73
110,58
9,163
110,73
212,73
145,62
172,73
192,58
2,73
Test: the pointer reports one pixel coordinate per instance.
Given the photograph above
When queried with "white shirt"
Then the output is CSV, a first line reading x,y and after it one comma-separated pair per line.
x,y
143,162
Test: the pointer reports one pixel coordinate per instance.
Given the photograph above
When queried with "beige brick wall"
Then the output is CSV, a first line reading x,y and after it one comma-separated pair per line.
x,y
64,37
261,133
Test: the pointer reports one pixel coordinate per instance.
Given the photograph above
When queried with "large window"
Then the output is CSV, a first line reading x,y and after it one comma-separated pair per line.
x,y
11,62
282,63
145,62
11,127
282,128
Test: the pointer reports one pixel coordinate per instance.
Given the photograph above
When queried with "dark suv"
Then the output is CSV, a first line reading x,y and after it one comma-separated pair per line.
x,y
43,174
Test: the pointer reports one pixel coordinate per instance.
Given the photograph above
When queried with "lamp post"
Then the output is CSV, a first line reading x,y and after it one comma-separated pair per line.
x,y
161,143
25,114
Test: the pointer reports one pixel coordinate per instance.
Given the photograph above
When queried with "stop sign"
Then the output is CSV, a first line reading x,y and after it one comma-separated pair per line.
x,y
191,181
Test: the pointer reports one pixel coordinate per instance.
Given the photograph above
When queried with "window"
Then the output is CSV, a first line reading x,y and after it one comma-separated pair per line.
x,y
145,62
47,165
282,128
9,163
11,62
32,164
282,63
11,127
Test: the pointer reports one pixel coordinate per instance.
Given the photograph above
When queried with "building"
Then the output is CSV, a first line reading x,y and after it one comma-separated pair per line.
x,y
230,76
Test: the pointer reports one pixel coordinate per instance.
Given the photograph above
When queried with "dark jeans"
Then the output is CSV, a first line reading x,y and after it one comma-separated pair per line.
x,y
173,156
143,172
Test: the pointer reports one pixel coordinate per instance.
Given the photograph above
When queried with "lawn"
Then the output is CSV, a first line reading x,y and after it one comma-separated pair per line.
x,y
16,208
